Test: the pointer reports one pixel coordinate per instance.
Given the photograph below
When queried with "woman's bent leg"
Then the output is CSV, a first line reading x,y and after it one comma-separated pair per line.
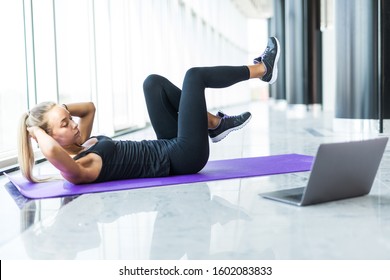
x,y
192,150
162,101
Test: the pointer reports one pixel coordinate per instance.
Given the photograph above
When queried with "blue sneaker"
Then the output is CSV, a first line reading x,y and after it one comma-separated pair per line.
x,y
228,124
270,59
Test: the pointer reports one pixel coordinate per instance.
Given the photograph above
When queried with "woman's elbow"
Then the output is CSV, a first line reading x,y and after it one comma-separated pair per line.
x,y
76,180
91,107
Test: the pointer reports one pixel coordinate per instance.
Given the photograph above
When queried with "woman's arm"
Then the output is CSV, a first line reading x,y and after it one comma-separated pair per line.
x,y
86,112
56,155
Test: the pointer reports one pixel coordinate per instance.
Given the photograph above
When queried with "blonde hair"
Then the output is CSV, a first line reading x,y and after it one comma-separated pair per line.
x,y
36,117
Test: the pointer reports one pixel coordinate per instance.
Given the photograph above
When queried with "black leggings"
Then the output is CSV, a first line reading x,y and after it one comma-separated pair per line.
x,y
181,115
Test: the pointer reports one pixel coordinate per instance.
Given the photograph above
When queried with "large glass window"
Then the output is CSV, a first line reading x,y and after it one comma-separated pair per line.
x,y
13,85
44,56
101,51
73,43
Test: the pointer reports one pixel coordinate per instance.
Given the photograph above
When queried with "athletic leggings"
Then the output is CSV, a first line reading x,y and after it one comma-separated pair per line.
x,y
181,115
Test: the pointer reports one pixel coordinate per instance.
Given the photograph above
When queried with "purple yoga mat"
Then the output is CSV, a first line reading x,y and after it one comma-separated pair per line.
x,y
214,170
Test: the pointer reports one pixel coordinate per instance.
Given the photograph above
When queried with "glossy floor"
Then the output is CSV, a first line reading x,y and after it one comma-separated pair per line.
x,y
214,220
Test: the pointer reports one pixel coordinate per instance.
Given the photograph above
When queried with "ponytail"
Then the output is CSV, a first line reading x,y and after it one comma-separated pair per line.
x,y
36,117
25,150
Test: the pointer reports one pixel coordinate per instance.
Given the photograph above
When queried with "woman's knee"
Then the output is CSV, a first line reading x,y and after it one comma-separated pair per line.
x,y
193,72
152,81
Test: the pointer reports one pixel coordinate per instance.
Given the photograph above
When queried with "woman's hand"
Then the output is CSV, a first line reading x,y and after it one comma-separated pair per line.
x,y
86,112
33,131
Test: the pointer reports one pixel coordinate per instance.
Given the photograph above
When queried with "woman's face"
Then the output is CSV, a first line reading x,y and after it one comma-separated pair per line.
x,y
63,128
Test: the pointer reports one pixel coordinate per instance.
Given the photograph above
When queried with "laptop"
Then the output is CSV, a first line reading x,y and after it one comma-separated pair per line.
x,y
339,171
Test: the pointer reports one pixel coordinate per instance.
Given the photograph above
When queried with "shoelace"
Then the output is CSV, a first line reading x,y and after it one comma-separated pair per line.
x,y
226,116
266,51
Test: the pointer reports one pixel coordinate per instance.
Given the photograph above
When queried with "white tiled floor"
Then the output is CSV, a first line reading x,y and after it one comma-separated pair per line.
x,y
213,220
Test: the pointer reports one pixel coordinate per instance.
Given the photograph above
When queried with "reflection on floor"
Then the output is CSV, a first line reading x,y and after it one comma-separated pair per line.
x,y
214,220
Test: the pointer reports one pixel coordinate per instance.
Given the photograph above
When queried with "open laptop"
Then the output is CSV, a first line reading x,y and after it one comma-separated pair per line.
x,y
340,170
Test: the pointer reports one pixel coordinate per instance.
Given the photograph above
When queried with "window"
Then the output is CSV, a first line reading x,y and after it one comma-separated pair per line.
x,y
101,51
13,84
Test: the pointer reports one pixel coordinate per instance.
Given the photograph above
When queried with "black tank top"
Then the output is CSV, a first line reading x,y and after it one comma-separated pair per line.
x,y
130,159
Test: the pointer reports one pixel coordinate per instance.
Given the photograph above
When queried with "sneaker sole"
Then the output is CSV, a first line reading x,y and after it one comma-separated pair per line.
x,y
226,132
275,70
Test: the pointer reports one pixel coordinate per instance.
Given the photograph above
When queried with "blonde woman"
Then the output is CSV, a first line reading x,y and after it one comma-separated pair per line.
x,y
179,118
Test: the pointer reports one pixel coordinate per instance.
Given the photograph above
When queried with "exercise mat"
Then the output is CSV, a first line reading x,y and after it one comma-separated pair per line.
x,y
214,170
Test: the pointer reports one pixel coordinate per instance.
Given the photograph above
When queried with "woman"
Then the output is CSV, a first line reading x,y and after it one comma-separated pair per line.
x,y
179,118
